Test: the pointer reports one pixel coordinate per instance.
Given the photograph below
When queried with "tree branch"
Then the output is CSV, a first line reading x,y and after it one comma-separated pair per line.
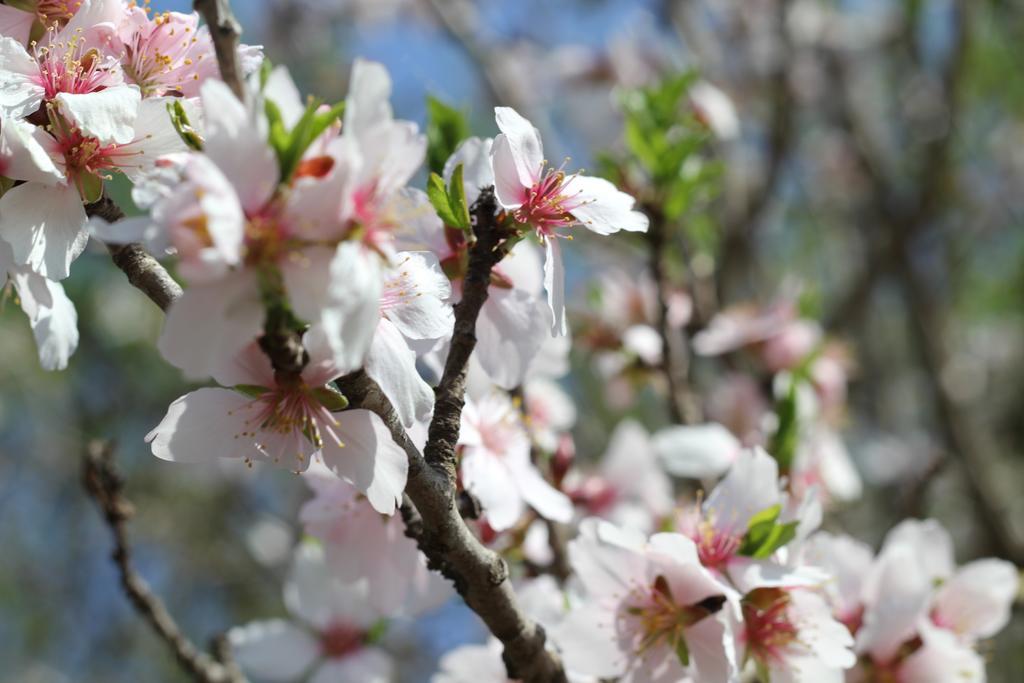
x,y
144,272
480,575
224,31
105,485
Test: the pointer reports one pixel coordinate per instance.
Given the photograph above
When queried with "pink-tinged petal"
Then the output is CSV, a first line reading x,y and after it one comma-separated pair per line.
x,y
153,136
281,90
477,173
318,208
629,463
510,331
486,477
352,306
748,574
222,215
897,599
367,103
45,226
554,283
108,115
509,190
20,91
752,485
606,559
275,650
931,543
316,596
369,459
52,317
524,142
205,425
200,349
942,659
588,642
391,153
15,23
369,665
976,602
393,365
549,502
697,451
28,152
602,208
415,296
235,142
711,643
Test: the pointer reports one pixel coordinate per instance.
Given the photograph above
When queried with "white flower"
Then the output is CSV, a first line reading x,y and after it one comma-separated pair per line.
x,y
330,639
549,200
496,465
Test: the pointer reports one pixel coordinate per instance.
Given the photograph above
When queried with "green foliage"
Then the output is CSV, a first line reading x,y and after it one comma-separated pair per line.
x,y
765,534
290,145
787,435
446,128
450,203
181,123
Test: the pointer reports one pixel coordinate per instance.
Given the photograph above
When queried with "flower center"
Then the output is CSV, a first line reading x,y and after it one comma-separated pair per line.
x,y
340,640
715,547
662,621
548,203
163,58
768,627
56,11
70,66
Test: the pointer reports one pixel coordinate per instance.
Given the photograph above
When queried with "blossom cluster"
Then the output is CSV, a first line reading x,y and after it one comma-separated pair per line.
x,y
309,254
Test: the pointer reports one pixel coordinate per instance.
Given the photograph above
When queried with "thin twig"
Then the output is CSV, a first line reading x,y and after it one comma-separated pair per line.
x,y
224,31
144,272
105,485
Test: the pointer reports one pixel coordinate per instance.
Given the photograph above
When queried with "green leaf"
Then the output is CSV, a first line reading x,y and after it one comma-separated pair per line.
x,y
446,128
182,125
682,652
291,145
438,197
330,398
780,535
457,200
759,529
786,437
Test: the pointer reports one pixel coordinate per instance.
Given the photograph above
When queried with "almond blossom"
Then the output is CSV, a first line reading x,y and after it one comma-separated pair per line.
x,y
495,465
650,611
332,637
286,421
549,200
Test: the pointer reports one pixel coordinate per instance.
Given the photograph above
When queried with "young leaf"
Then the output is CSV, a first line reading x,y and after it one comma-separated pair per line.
x,y
446,128
179,119
438,196
457,200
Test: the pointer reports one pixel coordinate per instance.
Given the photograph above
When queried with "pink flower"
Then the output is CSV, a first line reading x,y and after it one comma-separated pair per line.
x,y
496,467
330,639
550,200
395,572
286,422
649,612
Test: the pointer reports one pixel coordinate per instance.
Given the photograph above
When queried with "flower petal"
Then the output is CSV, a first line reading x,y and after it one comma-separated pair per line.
x,y
554,283
108,115
524,142
603,208
204,425
45,226
369,459
393,365
273,650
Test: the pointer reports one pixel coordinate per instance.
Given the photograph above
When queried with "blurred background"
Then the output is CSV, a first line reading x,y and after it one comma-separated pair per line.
x,y
871,155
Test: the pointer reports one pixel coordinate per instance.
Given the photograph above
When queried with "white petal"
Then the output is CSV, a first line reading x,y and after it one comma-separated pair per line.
x,y
45,226
509,190
352,306
153,136
280,89
273,650
712,650
510,330
486,477
475,156
369,665
20,93
750,486
548,501
588,642
699,451
370,459
107,115
524,142
28,152
976,602
203,350
415,297
367,103
202,426
16,23
603,208
554,283
630,464
53,318
393,365
236,144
